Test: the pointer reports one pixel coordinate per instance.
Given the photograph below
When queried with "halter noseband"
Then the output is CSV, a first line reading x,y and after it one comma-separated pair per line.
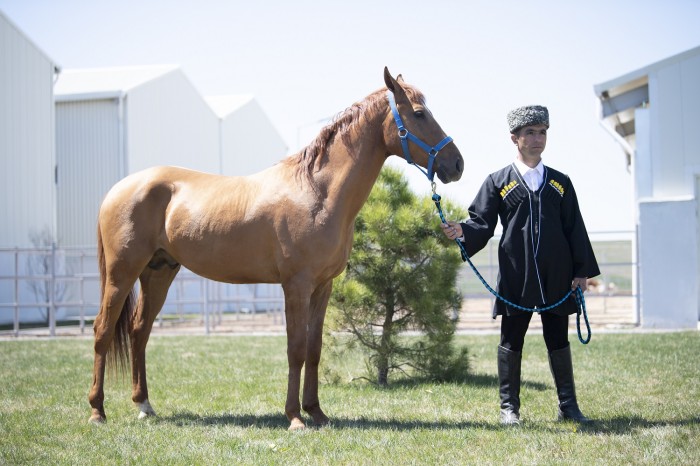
x,y
405,135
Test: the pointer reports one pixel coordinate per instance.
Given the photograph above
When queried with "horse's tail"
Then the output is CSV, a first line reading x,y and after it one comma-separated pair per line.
x,y
118,352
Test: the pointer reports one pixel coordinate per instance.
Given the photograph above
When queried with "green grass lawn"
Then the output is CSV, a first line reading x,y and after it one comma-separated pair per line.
x,y
220,400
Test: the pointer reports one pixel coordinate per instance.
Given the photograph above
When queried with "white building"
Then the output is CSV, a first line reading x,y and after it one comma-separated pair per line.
x,y
249,142
27,138
654,114
111,122
67,137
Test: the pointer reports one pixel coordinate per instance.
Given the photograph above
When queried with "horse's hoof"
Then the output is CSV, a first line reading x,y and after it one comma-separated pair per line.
x,y
319,417
145,410
97,419
297,424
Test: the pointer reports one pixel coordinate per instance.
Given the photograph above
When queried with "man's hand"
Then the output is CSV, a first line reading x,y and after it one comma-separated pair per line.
x,y
452,230
581,282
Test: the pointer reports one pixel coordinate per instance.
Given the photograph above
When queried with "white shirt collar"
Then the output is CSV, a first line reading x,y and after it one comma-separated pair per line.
x,y
522,168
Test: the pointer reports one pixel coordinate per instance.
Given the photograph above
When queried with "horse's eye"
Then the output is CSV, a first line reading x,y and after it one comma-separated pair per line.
x,y
419,113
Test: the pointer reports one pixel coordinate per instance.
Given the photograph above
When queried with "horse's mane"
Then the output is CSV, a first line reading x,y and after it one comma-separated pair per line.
x,y
342,125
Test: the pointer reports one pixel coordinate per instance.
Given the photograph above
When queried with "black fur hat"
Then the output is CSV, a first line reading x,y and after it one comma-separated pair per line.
x,y
528,116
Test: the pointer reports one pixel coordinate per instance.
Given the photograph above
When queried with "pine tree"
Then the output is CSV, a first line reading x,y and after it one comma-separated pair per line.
x,y
401,277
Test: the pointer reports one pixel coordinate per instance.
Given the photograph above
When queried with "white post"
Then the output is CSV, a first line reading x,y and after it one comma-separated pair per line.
x,y
205,285
16,300
52,292
82,291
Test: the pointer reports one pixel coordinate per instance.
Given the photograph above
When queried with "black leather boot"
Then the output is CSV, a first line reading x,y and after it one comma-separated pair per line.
x,y
509,385
563,373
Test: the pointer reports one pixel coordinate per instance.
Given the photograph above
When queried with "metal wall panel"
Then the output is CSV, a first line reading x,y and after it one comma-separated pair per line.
x,y
249,141
667,136
690,82
675,105
667,283
89,163
169,123
27,146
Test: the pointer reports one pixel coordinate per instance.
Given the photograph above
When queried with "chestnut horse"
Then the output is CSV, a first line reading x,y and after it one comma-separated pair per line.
x,y
291,224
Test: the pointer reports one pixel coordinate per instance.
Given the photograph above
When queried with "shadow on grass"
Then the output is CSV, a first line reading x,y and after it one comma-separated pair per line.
x,y
276,421
473,380
625,425
185,419
612,426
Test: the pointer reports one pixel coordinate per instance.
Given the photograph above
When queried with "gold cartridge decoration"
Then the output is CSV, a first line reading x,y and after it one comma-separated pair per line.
x,y
508,188
557,187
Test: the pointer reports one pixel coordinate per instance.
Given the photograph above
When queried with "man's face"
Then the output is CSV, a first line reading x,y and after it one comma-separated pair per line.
x,y
531,140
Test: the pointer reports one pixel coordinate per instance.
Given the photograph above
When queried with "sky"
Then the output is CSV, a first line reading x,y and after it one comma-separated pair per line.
x,y
305,61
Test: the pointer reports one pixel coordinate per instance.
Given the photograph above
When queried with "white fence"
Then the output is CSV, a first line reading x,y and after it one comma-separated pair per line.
x,y
40,287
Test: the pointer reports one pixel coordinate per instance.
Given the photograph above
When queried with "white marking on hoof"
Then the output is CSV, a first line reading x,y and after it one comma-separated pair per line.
x,y
297,424
145,409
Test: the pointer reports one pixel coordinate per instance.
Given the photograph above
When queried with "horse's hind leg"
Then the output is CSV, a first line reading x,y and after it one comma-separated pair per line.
x,y
155,281
114,302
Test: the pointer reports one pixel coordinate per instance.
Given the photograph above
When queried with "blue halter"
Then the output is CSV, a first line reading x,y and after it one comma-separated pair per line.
x,y
405,135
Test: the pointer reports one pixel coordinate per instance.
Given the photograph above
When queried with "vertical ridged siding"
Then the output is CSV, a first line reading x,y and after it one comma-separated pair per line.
x,y
87,152
27,144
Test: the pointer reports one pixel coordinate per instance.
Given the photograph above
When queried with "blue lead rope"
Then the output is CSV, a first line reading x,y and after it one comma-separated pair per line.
x,y
578,293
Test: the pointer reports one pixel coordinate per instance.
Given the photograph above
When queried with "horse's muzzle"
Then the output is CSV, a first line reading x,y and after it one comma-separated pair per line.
x,y
450,166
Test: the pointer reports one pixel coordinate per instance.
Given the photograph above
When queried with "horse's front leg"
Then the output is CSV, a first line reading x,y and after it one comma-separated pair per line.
x,y
314,342
296,297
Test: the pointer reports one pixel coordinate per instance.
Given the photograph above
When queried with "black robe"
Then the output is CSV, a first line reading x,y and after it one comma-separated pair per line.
x,y
544,243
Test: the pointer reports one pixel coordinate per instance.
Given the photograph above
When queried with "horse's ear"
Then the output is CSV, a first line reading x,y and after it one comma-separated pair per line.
x,y
399,79
389,80
394,85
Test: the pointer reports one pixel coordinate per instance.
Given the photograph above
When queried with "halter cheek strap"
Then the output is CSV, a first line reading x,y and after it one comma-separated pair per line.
x,y
405,135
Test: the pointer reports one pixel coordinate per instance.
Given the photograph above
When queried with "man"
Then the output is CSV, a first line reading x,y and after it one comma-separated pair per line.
x,y
543,253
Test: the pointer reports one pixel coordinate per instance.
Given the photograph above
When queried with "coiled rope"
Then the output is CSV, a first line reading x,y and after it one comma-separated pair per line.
x,y
578,293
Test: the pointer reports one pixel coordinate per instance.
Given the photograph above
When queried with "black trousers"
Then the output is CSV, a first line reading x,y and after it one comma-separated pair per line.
x,y
555,329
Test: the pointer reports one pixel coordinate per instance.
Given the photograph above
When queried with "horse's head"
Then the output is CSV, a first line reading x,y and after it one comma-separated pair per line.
x,y
413,132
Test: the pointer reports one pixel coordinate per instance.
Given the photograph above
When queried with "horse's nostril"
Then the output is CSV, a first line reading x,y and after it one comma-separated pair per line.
x,y
460,166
